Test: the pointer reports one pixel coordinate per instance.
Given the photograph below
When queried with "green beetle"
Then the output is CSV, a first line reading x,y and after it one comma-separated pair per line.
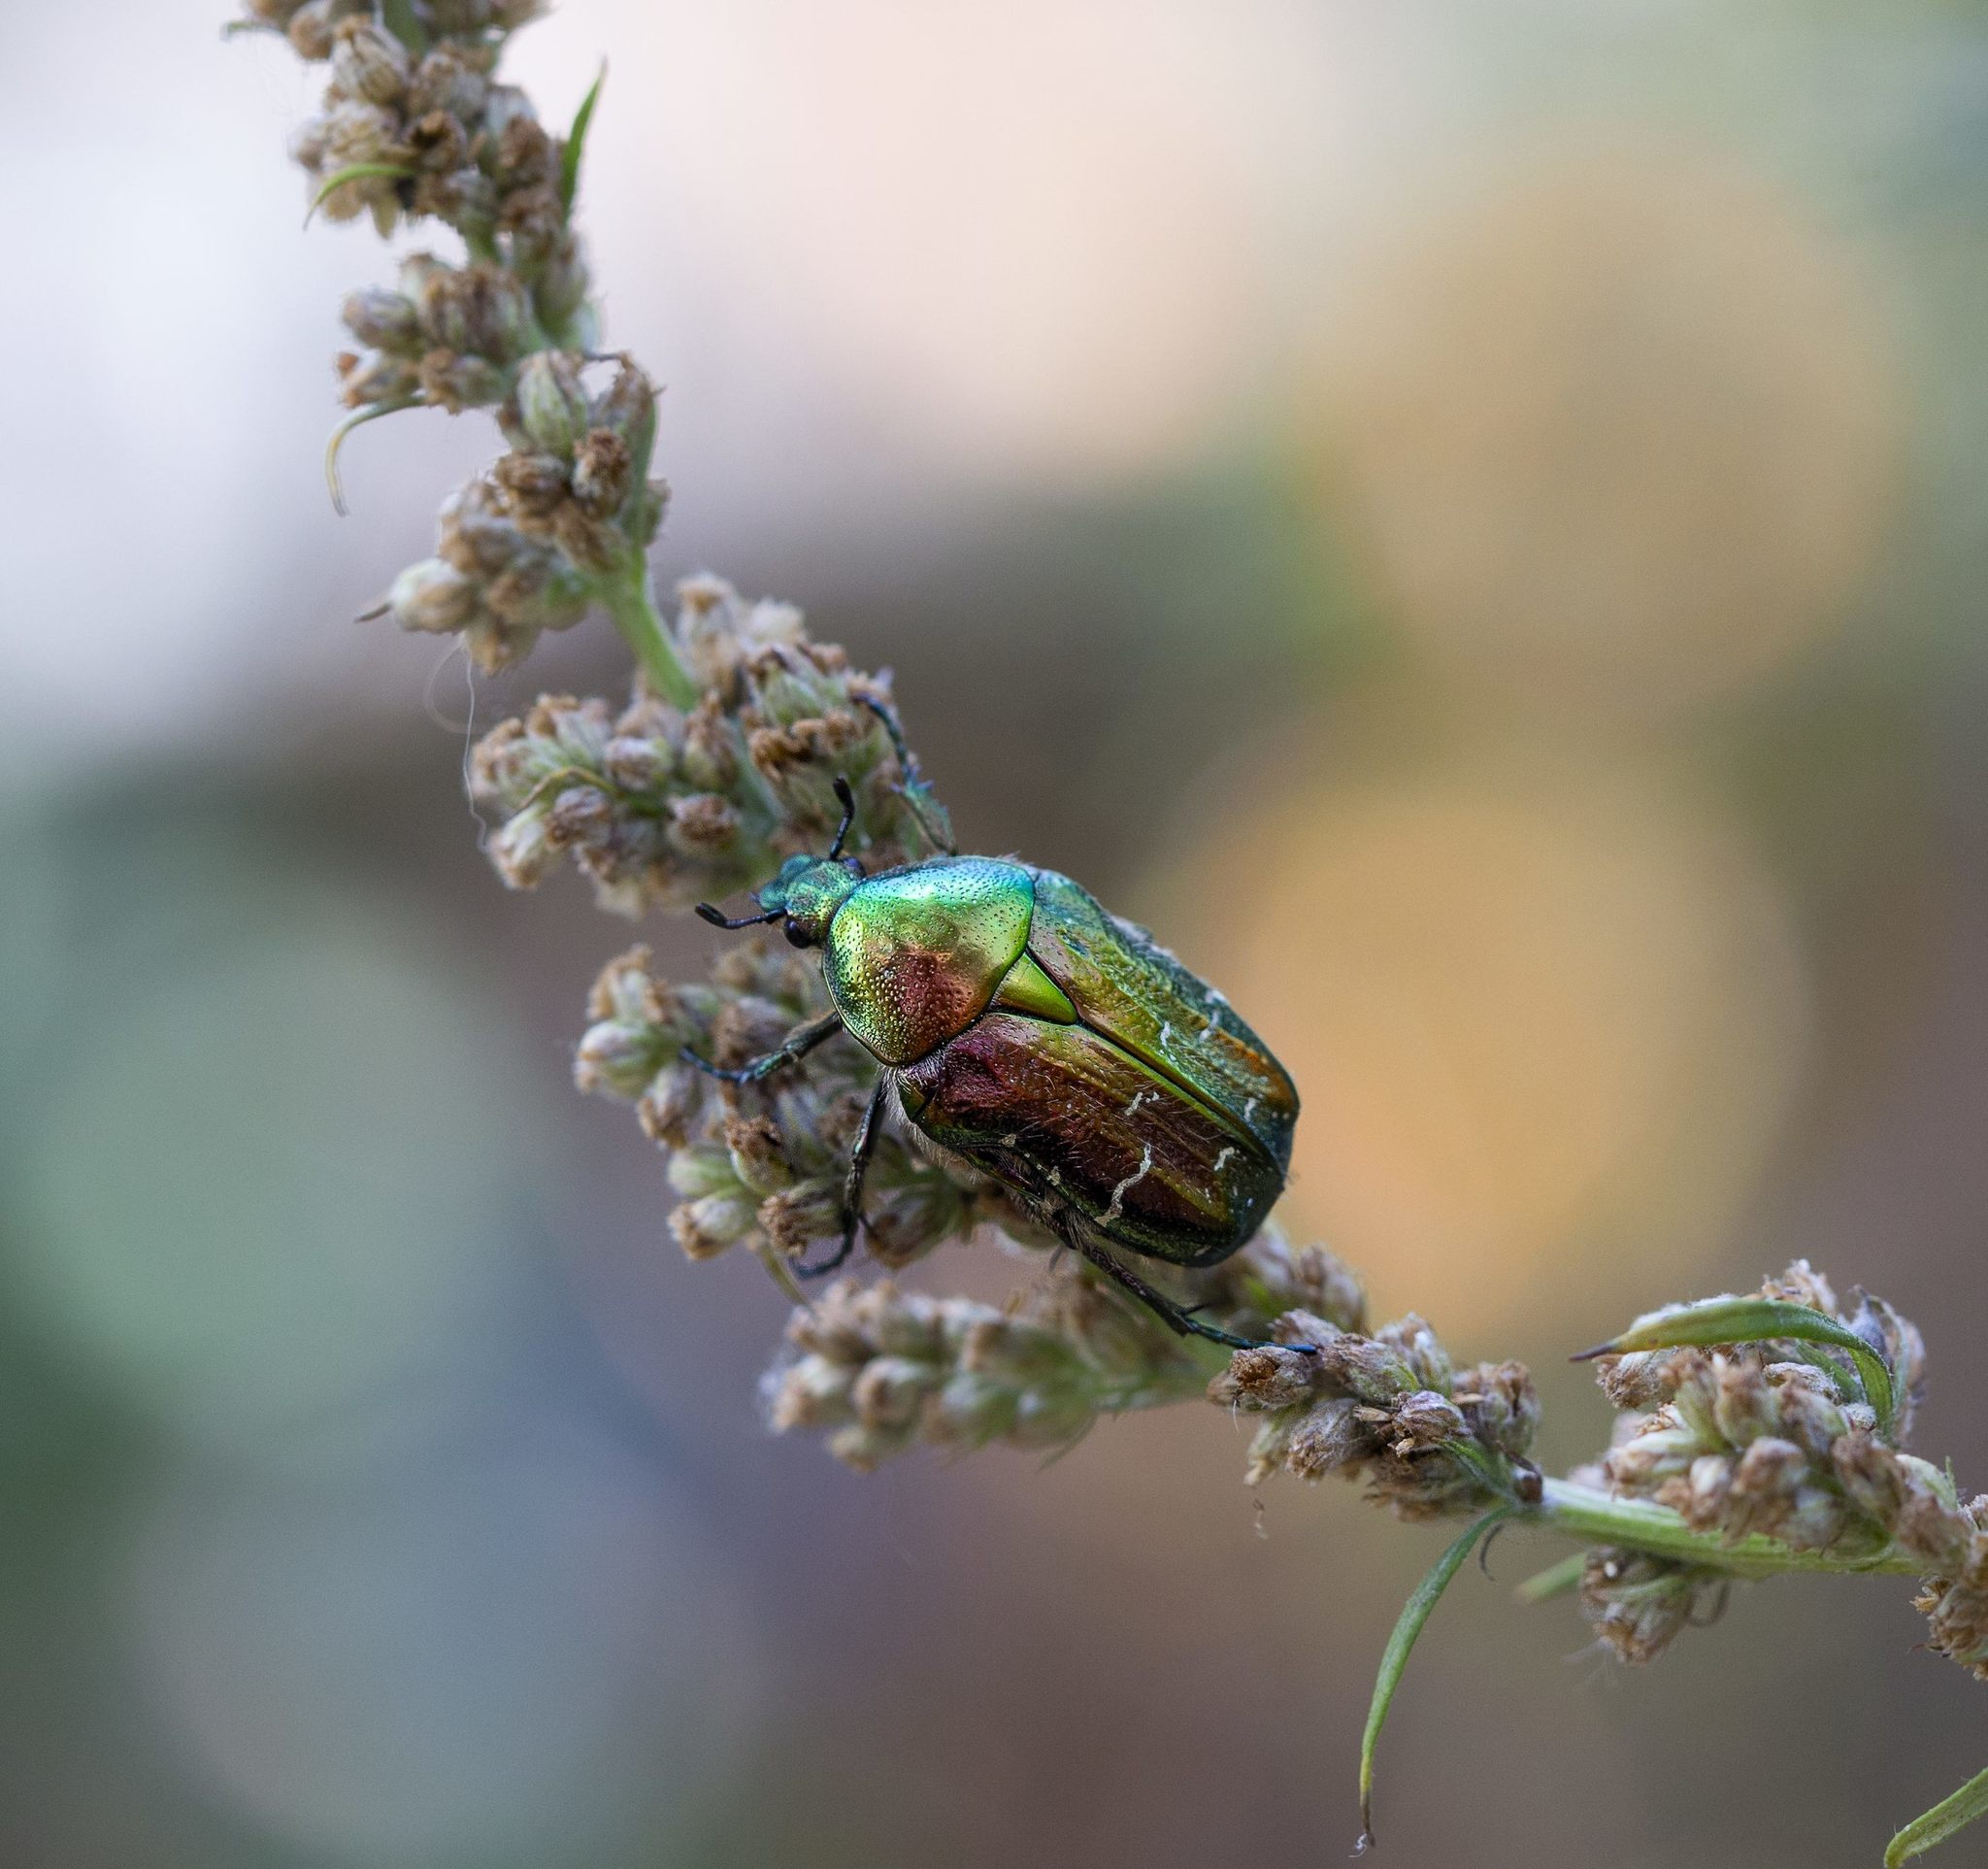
x,y
1044,1043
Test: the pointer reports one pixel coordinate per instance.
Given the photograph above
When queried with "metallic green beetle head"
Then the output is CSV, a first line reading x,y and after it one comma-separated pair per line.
x,y
806,894
807,890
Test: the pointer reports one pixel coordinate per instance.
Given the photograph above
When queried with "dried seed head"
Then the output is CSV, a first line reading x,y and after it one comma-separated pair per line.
x,y
1327,1438
1638,1605
1366,1368
1266,1378
1424,1421
1501,1406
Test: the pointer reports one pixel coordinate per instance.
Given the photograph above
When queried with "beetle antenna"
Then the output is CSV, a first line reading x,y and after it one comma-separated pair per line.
x,y
847,800
719,918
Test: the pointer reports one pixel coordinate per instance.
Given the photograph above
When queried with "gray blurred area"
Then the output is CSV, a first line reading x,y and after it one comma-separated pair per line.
x,y
1469,522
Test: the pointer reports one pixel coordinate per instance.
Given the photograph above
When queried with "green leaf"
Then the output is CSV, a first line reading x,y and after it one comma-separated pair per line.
x,y
1754,1320
1414,1614
576,141
356,420
1556,1580
404,24
353,172
1945,1818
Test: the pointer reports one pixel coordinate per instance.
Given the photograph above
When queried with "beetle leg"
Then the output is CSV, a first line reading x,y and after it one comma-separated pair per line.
x,y
800,1042
864,1146
1182,1323
913,789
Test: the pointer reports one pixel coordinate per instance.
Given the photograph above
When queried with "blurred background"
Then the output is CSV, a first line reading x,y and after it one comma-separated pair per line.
x,y
1469,521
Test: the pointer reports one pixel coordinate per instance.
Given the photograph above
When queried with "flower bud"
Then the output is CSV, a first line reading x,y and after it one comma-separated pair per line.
x,y
703,826
369,62
1501,1406
551,404
375,379
448,301
524,159
1956,1609
1266,1377
668,1106
618,1059
627,408
638,764
533,485
758,1159
1420,1346
1766,1480
384,320
795,1217
1425,1419
904,1223
432,597
1743,1404
445,81
810,1392
440,149
1326,1438
542,591
890,1392
1636,1604
521,852
357,132
559,288
457,382
1639,1379
710,757
580,816
1365,1368
602,473
705,1227
312,26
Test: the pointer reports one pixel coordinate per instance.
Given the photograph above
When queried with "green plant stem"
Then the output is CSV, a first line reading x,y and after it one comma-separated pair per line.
x,y
1634,1524
634,611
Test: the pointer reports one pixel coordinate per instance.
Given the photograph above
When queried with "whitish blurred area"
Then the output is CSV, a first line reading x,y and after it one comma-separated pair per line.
x,y
1469,521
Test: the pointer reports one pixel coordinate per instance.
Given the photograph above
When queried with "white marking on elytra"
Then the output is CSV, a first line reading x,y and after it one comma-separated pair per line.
x,y
1222,1160
1131,1181
1139,1097
1250,1108
1009,1141
1166,1032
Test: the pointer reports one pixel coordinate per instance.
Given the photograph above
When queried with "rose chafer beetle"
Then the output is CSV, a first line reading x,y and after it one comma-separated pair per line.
x,y
1060,1050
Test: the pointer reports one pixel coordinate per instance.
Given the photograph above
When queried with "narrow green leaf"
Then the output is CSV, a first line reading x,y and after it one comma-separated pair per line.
x,y
1556,1580
404,24
1945,1818
1414,1614
353,172
576,141
356,420
1753,1320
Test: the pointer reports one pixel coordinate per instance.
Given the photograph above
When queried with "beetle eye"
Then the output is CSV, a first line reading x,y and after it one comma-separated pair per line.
x,y
797,933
